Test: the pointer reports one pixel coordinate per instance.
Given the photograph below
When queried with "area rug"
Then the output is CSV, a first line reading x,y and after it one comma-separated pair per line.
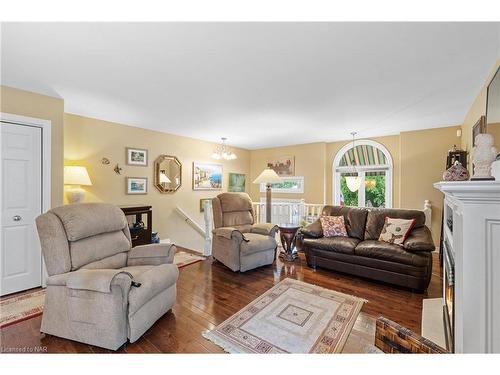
x,y
29,305
18,308
183,258
291,317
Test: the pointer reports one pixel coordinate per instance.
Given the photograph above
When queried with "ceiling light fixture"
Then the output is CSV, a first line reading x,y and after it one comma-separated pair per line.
x,y
223,152
353,182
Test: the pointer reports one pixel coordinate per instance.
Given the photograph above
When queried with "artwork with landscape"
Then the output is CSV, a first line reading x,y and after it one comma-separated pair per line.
x,y
137,156
236,183
137,185
283,165
207,176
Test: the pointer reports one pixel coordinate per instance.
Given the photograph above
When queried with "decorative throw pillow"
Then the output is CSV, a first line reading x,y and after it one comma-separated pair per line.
x,y
396,230
333,226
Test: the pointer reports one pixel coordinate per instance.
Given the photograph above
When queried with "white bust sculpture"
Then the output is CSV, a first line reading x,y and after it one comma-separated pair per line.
x,y
483,154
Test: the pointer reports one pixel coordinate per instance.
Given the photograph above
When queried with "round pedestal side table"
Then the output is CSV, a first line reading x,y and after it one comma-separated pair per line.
x,y
288,234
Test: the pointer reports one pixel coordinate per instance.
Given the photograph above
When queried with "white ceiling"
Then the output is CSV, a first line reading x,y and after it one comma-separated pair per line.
x,y
259,84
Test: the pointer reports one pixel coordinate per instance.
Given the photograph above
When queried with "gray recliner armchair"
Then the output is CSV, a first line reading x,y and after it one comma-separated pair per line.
x,y
100,291
237,241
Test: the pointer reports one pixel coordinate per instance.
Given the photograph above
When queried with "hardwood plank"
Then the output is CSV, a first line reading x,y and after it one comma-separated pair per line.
x,y
209,293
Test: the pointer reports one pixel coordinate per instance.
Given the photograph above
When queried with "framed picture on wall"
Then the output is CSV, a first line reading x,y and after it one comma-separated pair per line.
x,y
202,203
207,176
478,128
288,185
137,157
284,165
236,183
137,185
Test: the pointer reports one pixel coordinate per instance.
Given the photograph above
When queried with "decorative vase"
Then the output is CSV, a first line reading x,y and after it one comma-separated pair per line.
x,y
483,154
456,172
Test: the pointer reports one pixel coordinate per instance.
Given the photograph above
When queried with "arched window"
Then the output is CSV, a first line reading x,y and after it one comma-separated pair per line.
x,y
372,163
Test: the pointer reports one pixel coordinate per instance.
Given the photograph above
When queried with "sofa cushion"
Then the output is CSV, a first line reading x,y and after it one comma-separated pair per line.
x,y
238,218
100,246
135,271
376,219
396,230
388,252
232,202
354,219
419,239
345,245
256,243
153,281
333,226
313,230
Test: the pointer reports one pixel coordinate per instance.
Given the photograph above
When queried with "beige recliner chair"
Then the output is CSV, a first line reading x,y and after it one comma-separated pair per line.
x,y
237,242
100,291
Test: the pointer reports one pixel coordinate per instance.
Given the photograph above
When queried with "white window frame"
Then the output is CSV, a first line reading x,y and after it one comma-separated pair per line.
x,y
337,170
298,179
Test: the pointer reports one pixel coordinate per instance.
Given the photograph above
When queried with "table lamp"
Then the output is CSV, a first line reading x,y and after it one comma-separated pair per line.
x,y
76,176
268,177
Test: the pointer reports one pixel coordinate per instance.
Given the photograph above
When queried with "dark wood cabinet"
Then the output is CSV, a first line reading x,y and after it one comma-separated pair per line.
x,y
140,234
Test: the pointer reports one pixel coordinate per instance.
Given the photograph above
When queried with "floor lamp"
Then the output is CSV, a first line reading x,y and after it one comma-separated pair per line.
x,y
268,177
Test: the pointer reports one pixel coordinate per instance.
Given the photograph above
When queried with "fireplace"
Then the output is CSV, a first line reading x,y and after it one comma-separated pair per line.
x,y
449,296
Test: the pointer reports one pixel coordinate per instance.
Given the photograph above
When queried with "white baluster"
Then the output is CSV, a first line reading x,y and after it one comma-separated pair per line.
x,y
208,216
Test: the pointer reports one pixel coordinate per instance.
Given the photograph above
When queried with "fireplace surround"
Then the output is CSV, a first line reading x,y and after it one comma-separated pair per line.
x,y
449,296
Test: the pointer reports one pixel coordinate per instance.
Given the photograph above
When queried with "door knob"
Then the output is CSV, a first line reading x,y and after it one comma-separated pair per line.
x,y
16,218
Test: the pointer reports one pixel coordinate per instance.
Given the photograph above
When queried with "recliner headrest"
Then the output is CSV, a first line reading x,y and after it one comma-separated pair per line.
x,y
82,220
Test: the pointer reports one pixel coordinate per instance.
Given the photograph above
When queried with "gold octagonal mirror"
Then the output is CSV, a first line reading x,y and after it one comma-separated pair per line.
x,y
168,174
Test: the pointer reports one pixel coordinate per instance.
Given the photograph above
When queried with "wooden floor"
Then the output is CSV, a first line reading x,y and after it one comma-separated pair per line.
x,y
209,293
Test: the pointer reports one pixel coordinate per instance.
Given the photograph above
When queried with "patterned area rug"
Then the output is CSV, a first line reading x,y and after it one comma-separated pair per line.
x,y
18,308
291,317
29,305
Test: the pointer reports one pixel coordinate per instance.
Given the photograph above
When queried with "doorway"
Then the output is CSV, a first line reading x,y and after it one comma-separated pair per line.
x,y
25,194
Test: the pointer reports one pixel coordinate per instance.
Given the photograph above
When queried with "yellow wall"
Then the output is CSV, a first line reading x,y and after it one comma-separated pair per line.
x,y
30,104
478,109
423,161
309,162
87,141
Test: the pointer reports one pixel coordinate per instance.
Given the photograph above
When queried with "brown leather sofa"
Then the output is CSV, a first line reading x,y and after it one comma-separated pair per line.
x,y
361,253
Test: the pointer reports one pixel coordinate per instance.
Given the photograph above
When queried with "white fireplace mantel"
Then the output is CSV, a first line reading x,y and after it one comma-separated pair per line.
x,y
475,209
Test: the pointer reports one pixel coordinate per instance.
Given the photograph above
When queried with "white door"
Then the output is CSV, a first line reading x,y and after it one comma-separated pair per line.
x,y
21,261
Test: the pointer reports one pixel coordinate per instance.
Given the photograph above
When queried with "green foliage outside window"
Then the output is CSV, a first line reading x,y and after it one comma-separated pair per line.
x,y
286,185
350,198
374,195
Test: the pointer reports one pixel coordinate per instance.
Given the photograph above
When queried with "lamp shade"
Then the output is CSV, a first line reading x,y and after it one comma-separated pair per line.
x,y
268,176
75,175
353,183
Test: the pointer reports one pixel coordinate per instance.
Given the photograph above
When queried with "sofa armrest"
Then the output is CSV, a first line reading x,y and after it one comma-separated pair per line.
x,y
229,233
390,337
151,255
266,229
313,230
98,280
419,239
